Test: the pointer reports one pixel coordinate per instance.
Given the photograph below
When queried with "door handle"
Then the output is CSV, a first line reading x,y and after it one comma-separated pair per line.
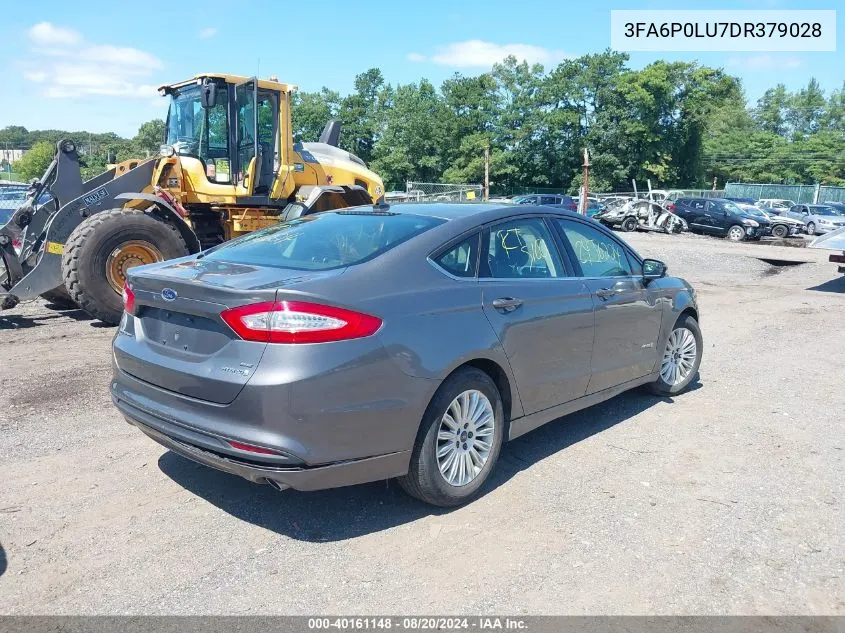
x,y
508,304
605,293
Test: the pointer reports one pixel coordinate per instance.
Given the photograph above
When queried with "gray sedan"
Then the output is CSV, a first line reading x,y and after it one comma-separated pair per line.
x,y
819,218
411,342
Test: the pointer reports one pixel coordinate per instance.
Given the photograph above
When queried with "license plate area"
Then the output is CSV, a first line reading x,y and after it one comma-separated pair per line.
x,y
184,332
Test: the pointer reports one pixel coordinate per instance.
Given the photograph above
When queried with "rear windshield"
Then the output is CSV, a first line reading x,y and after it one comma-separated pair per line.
x,y
324,240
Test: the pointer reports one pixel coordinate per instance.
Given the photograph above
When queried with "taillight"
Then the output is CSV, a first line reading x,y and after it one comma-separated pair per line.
x,y
298,322
128,298
670,207
571,206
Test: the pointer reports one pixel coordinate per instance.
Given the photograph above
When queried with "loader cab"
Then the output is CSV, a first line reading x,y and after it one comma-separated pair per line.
x,y
230,125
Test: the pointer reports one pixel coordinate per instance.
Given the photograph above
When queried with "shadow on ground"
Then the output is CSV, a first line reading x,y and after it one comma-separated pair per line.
x,y
17,322
834,285
3,563
342,513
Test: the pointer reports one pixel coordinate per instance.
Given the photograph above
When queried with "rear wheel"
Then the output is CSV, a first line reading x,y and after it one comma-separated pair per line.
x,y
629,224
780,231
104,247
736,233
458,442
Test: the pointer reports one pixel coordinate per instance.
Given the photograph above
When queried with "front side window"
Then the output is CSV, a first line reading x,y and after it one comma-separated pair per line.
x,y
323,240
521,249
598,254
462,259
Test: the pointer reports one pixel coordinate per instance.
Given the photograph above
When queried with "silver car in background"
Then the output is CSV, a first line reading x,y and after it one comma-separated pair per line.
x,y
818,218
408,341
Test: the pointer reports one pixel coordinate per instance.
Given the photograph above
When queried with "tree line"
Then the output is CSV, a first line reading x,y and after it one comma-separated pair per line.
x,y
679,124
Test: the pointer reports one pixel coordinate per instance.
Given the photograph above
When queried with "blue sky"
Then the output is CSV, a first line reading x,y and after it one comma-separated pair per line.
x,y
95,65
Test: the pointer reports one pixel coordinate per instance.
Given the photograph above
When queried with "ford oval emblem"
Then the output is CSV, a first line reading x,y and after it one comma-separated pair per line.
x,y
168,294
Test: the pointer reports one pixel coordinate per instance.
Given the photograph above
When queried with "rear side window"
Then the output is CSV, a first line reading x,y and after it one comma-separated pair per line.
x,y
324,240
462,259
521,249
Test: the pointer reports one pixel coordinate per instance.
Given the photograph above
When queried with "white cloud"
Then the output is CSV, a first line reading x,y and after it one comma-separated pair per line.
x,y
70,67
208,32
48,34
415,57
122,56
764,62
478,53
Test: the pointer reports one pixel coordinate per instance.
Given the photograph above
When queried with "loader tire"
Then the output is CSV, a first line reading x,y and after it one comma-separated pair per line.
x,y
59,299
92,246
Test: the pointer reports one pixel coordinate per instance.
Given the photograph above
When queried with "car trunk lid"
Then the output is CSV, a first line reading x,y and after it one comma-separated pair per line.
x,y
176,339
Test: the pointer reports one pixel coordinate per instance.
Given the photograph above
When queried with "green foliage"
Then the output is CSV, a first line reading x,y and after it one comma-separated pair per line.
x,y
34,163
677,123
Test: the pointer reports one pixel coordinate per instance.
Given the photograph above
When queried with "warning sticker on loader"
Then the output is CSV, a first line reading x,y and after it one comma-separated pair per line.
x,y
55,248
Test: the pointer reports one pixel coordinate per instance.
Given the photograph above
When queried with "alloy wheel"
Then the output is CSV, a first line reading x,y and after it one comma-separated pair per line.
x,y
736,233
465,437
679,356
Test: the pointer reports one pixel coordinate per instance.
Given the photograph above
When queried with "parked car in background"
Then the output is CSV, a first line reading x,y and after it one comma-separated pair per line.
x,y
548,200
819,218
839,206
410,341
717,216
776,205
780,226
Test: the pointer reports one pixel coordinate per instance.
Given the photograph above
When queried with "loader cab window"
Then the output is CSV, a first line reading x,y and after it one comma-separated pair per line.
x,y
199,132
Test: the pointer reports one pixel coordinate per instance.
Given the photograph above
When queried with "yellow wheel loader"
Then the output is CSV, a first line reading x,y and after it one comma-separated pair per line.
x,y
228,165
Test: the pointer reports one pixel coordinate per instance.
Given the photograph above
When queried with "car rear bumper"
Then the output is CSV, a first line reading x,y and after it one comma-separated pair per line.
x,y
190,444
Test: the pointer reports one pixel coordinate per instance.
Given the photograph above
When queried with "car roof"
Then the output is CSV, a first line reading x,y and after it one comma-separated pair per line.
x,y
478,212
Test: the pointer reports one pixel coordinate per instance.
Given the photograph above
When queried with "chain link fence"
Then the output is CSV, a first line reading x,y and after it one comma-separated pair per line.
x,y
803,194
438,192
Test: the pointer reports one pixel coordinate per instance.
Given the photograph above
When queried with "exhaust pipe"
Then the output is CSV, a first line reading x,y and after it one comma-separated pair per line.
x,y
276,485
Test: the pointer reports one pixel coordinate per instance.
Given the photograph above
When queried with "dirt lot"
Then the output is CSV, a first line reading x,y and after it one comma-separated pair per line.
x,y
729,499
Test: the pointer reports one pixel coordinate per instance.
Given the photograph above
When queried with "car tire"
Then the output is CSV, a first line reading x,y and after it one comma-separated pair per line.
x,y
780,231
736,233
665,385
425,479
629,224
811,228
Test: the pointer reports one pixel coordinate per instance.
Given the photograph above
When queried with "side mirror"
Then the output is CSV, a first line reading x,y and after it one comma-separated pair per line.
x,y
653,269
208,94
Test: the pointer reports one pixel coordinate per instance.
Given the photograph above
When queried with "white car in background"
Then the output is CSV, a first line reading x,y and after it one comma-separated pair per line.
x,y
777,205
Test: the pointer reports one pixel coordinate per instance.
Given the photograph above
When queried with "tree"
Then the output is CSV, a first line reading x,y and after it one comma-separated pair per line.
x,y
770,113
149,138
311,112
34,163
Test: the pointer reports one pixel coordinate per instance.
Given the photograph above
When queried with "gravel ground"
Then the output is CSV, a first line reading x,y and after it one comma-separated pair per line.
x,y
729,499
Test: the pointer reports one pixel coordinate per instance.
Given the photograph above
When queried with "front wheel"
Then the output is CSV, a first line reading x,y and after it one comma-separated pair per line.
x,y
780,231
104,247
736,233
811,228
681,358
458,442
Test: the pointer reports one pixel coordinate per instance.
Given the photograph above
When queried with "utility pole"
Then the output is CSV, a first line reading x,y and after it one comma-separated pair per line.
x,y
714,182
583,209
487,172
